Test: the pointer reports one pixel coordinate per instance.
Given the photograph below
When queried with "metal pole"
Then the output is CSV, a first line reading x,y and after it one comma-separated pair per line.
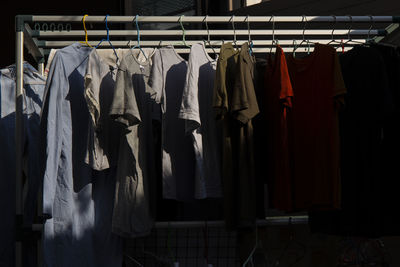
x,y
215,19
18,143
41,67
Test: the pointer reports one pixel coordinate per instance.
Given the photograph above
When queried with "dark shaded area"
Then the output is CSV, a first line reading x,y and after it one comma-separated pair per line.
x,y
46,7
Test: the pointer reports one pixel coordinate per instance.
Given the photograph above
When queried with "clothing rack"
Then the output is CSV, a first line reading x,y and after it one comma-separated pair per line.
x,y
41,33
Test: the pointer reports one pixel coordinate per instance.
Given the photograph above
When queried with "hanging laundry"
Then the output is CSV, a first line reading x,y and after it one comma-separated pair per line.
x,y
78,199
33,90
132,107
104,133
197,110
278,97
235,103
167,78
367,141
318,90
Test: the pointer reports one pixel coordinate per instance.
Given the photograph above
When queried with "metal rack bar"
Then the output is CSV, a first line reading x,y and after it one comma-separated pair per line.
x,y
280,220
178,43
125,33
215,19
19,57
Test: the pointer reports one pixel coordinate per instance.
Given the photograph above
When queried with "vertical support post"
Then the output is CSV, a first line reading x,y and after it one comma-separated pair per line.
x,y
40,193
19,57
41,67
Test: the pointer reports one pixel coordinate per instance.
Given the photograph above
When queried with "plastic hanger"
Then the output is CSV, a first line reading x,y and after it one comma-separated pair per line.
x,y
307,41
369,39
294,47
205,236
250,258
234,30
134,260
333,30
183,32
348,33
333,41
274,41
108,39
138,38
84,28
292,241
208,36
250,41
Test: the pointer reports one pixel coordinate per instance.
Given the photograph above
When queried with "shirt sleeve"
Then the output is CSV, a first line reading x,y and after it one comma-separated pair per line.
x,y
189,110
286,92
339,88
92,89
52,126
124,108
156,79
220,99
244,100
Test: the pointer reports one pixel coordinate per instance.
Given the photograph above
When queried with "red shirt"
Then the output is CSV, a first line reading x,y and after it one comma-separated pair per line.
x,y
314,139
278,102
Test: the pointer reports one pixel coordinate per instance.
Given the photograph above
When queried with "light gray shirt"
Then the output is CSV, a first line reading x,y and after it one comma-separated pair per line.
x,y
167,79
132,108
198,113
102,152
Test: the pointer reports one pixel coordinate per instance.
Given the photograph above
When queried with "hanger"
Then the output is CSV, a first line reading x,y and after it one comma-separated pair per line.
x,y
250,41
183,33
333,41
294,47
348,33
250,258
134,260
333,30
307,41
292,241
369,39
108,39
205,236
274,42
169,249
84,28
208,36
138,39
234,31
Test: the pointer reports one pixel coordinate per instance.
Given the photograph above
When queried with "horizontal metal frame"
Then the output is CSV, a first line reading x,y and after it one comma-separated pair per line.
x,y
125,33
178,43
259,50
215,19
269,221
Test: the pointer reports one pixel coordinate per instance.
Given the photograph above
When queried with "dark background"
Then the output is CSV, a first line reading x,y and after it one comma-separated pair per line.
x,y
46,7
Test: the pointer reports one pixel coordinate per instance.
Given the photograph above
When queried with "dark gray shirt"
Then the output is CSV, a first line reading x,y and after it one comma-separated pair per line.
x,y
132,107
168,77
198,113
102,152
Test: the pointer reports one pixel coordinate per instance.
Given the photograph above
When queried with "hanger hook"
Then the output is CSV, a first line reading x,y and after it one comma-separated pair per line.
x,y
107,29
233,27
84,28
370,27
183,30
273,29
350,28
304,26
208,30
137,29
334,24
248,27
